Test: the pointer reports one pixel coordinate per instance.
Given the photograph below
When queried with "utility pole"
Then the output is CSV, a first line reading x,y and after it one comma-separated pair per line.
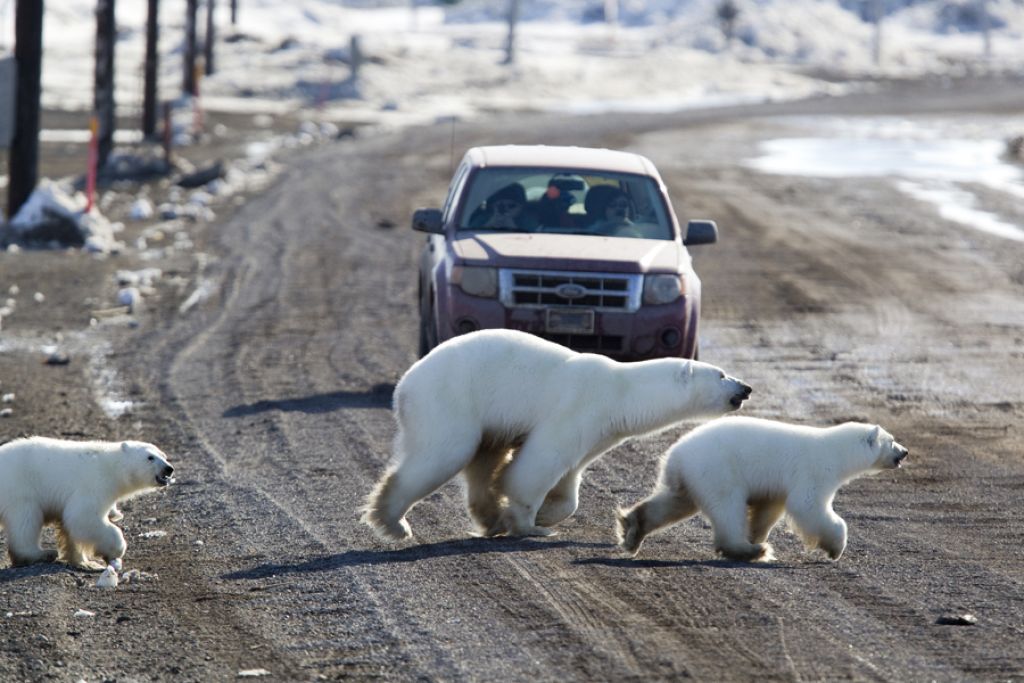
x,y
103,96
189,81
877,14
510,43
149,90
28,53
986,28
210,37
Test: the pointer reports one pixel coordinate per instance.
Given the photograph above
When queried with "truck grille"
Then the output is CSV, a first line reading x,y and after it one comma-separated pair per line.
x,y
598,291
587,342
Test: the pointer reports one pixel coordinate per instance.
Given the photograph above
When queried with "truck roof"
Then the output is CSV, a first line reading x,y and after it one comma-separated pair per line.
x,y
545,156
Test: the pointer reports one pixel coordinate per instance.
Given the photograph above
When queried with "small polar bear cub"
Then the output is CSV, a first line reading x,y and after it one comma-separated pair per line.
x,y
743,474
521,418
74,485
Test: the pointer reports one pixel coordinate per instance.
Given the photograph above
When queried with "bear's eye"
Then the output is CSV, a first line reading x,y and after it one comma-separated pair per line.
x,y
151,458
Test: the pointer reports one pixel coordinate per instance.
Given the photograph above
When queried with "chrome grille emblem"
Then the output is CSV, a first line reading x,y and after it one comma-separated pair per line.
x,y
570,291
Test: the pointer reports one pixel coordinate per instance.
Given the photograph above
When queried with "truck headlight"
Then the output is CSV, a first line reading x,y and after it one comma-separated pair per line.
x,y
662,289
476,280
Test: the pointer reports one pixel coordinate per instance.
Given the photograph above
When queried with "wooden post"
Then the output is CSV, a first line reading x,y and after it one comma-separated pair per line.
x,y
149,103
197,106
168,135
106,35
189,77
234,12
210,37
355,56
24,153
92,164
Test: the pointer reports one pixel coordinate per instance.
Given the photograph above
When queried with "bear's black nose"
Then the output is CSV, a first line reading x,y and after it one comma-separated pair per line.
x,y
168,471
746,389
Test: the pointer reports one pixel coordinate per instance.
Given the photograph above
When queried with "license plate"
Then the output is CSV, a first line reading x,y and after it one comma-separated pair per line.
x,y
569,321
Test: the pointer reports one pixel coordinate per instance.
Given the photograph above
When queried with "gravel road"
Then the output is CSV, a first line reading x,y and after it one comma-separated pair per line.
x,y
836,299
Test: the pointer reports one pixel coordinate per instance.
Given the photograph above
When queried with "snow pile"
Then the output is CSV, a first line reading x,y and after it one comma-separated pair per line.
x,y
54,214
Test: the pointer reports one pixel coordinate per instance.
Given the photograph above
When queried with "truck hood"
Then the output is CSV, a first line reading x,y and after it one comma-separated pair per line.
x,y
549,251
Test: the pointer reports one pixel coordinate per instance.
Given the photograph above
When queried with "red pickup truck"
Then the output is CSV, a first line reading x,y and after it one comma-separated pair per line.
x,y
576,245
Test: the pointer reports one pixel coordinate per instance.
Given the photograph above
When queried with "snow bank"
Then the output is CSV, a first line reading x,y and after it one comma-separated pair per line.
x,y
54,215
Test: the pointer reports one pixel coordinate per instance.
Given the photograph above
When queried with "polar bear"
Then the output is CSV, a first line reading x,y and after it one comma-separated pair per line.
x,y
74,485
744,473
522,418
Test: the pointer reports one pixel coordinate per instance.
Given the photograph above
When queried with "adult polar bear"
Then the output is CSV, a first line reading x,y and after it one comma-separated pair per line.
x,y
744,474
477,398
75,485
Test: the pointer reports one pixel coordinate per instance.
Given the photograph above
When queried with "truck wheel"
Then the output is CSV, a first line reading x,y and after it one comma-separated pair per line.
x,y
424,341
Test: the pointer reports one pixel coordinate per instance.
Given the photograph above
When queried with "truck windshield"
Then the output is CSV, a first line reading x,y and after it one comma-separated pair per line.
x,y
565,201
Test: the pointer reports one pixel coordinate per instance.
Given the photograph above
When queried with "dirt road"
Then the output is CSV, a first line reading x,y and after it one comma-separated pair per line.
x,y
836,299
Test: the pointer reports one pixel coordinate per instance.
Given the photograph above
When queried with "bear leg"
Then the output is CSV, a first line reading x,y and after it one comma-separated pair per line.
x,y
538,466
23,528
84,529
664,507
820,527
729,521
517,520
482,498
561,501
763,515
115,514
417,474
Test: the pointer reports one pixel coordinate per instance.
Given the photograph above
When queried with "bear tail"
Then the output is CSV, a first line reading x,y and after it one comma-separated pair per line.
x,y
628,530
377,513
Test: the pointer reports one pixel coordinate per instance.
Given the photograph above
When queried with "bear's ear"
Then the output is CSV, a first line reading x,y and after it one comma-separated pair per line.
x,y
873,435
125,446
685,373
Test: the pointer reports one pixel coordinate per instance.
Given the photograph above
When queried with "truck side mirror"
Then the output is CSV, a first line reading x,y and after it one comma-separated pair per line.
x,y
428,220
700,232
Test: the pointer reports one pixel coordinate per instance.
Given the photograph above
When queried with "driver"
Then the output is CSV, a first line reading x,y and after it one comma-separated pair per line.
x,y
504,209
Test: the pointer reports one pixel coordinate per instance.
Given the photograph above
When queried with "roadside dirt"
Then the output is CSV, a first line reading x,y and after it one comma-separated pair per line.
x,y
836,300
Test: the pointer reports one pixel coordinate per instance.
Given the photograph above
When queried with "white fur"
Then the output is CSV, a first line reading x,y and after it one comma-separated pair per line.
x,y
522,418
743,474
74,485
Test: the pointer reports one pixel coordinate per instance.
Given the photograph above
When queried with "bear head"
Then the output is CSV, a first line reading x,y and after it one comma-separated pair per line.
x,y
888,454
145,465
711,391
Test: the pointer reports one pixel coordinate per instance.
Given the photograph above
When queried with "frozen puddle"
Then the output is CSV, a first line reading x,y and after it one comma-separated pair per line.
x,y
931,164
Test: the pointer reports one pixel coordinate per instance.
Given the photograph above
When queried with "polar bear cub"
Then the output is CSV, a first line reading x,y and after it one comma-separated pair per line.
x,y
74,485
521,418
743,474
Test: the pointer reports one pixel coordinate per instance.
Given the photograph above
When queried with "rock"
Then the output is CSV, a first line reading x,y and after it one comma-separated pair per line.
x,y
253,673
142,209
156,533
966,619
202,176
83,614
108,579
57,358
130,297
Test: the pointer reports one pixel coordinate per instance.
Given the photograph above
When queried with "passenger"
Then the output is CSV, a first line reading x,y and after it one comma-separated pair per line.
x,y
553,206
609,211
504,209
